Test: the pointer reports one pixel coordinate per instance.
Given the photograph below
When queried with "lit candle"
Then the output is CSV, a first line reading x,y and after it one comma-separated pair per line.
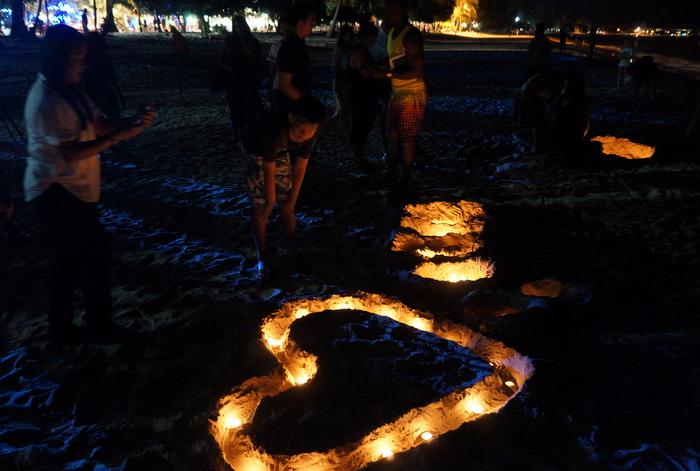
x,y
426,436
475,407
509,383
231,421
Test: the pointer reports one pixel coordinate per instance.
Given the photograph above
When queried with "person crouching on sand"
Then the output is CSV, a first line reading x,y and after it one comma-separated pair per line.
x,y
275,159
65,135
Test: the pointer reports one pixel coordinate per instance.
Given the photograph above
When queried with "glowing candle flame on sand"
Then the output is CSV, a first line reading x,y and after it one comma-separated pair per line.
x,y
454,272
624,148
298,367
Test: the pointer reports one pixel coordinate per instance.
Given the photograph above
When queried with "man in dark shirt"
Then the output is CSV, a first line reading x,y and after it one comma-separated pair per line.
x,y
275,157
293,63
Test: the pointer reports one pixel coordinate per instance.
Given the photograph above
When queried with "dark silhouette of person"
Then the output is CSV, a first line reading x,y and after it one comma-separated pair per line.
x,y
100,79
364,91
241,57
563,37
84,19
552,111
592,40
538,52
65,135
293,62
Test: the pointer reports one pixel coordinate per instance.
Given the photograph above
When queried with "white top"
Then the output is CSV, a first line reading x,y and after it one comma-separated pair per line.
x,y
50,121
626,54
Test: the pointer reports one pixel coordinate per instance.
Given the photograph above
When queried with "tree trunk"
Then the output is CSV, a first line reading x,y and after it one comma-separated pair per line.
x,y
334,21
94,13
110,25
203,26
19,29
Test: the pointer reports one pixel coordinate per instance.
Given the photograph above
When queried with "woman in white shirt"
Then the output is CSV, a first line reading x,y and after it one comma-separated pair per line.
x,y
65,134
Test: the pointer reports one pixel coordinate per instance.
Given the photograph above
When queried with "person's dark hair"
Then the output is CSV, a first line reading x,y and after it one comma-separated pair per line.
x,y
95,42
367,28
344,30
402,4
539,29
300,12
309,109
59,41
240,26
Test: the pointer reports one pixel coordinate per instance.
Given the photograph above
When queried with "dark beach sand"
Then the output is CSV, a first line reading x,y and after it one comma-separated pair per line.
x,y
617,380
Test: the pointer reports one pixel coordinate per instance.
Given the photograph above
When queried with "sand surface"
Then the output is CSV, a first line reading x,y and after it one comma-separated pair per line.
x,y
616,354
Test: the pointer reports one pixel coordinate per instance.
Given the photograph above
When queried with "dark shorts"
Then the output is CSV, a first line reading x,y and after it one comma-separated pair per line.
x,y
255,178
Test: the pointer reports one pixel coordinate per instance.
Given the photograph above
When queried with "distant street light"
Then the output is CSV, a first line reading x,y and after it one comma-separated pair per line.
x,y
517,19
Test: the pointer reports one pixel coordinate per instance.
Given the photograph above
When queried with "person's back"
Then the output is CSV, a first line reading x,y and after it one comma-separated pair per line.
x,y
538,52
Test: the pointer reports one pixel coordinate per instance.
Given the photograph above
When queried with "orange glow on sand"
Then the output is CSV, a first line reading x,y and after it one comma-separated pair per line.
x,y
454,272
407,431
624,148
440,228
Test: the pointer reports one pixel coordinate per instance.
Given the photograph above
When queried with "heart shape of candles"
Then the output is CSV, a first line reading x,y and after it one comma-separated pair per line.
x,y
414,428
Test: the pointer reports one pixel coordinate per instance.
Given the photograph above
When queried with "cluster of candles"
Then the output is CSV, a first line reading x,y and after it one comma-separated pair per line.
x,y
415,427
445,229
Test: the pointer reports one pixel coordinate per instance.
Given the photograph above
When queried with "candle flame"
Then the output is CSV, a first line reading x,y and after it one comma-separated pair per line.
x,y
298,367
231,421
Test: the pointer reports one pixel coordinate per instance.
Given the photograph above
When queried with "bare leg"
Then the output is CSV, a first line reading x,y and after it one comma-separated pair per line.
x,y
409,156
289,220
260,233
394,150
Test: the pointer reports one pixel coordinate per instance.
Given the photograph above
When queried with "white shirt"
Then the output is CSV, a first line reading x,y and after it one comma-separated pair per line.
x,y
50,121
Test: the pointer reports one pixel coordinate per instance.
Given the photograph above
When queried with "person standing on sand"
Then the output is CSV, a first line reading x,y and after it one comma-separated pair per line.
x,y
284,28
242,59
538,52
406,108
276,155
626,54
364,91
293,62
65,135
84,19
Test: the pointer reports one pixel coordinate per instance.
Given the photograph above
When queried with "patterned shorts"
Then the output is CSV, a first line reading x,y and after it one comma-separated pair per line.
x,y
255,178
405,115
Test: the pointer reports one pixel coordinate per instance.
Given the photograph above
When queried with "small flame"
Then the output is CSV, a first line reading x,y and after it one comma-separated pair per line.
x,y
475,407
231,421
509,383
386,452
426,436
302,378
420,324
469,270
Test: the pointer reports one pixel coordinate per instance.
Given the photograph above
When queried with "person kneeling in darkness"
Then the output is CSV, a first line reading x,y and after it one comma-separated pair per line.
x,y
275,159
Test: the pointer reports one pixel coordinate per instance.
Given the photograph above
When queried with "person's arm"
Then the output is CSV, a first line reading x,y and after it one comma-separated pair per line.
x,y
360,60
298,178
415,59
287,87
74,151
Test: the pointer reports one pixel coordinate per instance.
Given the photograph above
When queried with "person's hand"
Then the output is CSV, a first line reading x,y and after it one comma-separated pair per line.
x,y
127,132
146,118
